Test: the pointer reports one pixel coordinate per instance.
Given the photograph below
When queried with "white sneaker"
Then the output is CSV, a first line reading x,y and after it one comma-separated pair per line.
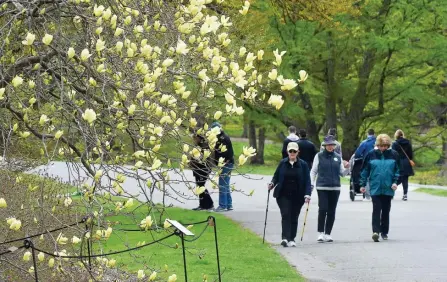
x,y
328,238
320,237
284,243
292,244
367,200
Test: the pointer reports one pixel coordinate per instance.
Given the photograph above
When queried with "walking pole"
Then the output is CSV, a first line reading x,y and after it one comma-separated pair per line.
x,y
305,218
266,212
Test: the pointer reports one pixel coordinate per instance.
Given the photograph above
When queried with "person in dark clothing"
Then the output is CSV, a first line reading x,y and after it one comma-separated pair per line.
x,y
363,149
224,141
307,148
381,168
327,168
292,137
293,189
405,150
201,170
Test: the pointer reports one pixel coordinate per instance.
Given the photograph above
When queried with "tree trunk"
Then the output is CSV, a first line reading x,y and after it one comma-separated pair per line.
x,y
443,159
353,120
331,86
252,134
260,152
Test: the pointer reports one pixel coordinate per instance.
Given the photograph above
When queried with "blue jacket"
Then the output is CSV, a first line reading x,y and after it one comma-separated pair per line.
x,y
364,147
382,171
303,183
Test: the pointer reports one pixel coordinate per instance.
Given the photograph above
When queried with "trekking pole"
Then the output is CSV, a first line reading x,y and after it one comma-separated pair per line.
x,y
305,218
266,212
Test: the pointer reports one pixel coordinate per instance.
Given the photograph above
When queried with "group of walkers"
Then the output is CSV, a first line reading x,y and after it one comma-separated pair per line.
x,y
386,164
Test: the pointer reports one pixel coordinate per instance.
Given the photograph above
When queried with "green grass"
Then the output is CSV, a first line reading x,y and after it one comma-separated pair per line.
x,y
243,257
433,191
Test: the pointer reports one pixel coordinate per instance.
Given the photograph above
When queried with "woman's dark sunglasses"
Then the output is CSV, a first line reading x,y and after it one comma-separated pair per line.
x,y
292,151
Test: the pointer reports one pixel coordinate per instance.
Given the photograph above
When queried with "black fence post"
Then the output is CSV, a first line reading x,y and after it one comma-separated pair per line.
x,y
29,244
184,255
212,221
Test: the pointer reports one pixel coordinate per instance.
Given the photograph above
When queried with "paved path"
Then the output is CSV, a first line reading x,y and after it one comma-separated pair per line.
x,y
416,250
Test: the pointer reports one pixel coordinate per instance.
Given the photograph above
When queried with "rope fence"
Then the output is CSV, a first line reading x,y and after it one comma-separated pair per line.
x,y
28,244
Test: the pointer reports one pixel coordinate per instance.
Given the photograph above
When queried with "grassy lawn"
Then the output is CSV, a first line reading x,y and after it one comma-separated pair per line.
x,y
433,191
243,257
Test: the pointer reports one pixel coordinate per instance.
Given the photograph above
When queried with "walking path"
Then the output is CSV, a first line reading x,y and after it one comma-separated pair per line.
x,y
416,250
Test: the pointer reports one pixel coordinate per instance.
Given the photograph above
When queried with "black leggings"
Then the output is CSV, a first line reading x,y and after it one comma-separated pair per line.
x,y
327,203
404,180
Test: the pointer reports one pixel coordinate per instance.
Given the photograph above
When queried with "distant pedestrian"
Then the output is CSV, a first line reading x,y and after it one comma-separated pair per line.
x,y
366,145
405,150
333,132
293,189
292,137
201,170
307,148
381,168
225,200
363,149
327,168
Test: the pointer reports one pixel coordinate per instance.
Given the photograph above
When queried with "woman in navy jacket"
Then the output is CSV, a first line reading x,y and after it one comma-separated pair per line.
x,y
292,182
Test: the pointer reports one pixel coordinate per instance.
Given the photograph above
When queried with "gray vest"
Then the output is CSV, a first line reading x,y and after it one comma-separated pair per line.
x,y
328,169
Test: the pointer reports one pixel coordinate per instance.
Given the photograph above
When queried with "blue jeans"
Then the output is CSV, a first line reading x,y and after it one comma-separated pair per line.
x,y
225,200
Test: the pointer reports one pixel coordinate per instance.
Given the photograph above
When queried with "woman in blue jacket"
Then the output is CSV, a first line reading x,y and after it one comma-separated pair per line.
x,y
292,183
381,167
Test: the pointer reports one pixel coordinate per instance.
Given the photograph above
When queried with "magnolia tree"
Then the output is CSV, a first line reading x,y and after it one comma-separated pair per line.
x,y
116,88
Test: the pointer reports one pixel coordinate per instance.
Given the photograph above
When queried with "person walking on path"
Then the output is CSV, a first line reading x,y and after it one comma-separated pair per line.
x,y
292,137
307,148
224,141
327,168
293,189
363,149
333,132
201,170
381,167
405,150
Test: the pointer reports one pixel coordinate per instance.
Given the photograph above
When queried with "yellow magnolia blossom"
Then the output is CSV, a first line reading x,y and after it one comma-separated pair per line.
x,y
141,274
47,39
278,57
146,223
276,101
85,54
3,203
245,8
217,115
242,159
75,240
67,201
260,55
51,262
166,224
156,164
2,92
17,81
43,119
303,75
249,151
172,278
27,256
61,239
153,276
41,256
198,190
98,10
29,39
181,48
111,263
273,74
89,115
